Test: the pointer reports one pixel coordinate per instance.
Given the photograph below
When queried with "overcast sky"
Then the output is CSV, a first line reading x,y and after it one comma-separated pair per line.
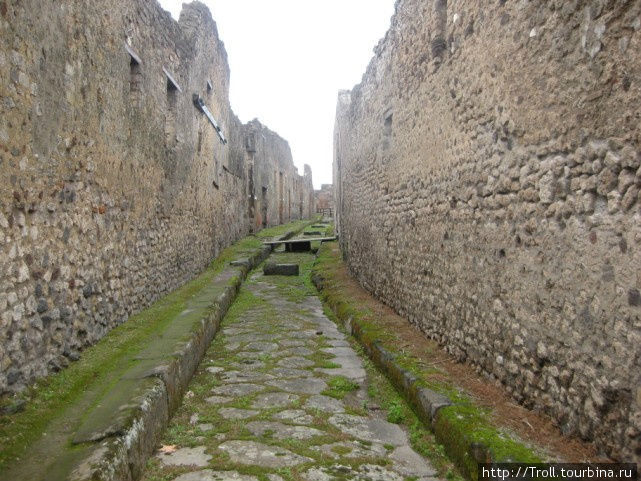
x,y
289,58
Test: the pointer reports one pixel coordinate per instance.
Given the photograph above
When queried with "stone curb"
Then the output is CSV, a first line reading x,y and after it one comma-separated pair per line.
x,y
123,457
425,402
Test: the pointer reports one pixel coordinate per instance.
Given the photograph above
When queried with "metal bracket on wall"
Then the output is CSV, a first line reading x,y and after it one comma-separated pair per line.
x,y
200,105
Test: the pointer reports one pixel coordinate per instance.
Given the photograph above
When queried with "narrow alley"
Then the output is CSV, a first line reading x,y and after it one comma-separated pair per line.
x,y
282,392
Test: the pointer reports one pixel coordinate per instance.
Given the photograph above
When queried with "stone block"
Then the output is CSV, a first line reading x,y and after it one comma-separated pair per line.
x,y
271,269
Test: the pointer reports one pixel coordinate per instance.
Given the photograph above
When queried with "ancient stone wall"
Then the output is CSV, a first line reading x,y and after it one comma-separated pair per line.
x,y
325,198
114,187
277,193
487,174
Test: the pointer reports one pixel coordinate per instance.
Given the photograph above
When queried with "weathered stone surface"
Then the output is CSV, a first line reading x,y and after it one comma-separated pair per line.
x,y
258,454
115,190
325,403
369,429
235,413
300,386
295,362
282,431
296,416
353,450
236,390
186,457
209,475
367,472
280,269
274,399
498,214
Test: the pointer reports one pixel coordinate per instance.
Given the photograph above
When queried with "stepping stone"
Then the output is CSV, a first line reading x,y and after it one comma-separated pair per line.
x,y
274,400
205,427
295,362
209,475
352,449
215,369
186,457
366,472
232,346
245,376
409,463
262,346
271,269
296,416
218,400
235,413
282,431
325,403
368,429
257,454
304,386
237,390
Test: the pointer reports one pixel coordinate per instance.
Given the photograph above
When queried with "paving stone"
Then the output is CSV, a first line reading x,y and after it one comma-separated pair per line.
x,y
296,416
258,454
282,431
235,413
367,472
353,373
215,369
262,346
237,390
246,355
209,475
205,427
275,477
356,450
292,343
369,429
245,376
274,400
295,362
287,372
325,403
304,386
232,346
248,364
337,343
186,457
298,351
410,463
215,400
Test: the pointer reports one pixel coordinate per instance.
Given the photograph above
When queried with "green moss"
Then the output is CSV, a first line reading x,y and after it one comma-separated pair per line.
x,y
61,399
339,387
460,425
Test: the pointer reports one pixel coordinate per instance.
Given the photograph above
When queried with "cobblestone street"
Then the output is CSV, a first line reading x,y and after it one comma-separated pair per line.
x,y
282,395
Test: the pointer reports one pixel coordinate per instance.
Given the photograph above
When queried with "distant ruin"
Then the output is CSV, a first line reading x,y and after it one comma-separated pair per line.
x,y
487,174
124,171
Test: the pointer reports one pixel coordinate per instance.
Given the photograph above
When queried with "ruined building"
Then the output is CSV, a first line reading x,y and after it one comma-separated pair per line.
x,y
123,170
325,198
487,176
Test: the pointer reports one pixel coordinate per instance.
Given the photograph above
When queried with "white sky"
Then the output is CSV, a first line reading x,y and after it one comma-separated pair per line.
x,y
289,58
